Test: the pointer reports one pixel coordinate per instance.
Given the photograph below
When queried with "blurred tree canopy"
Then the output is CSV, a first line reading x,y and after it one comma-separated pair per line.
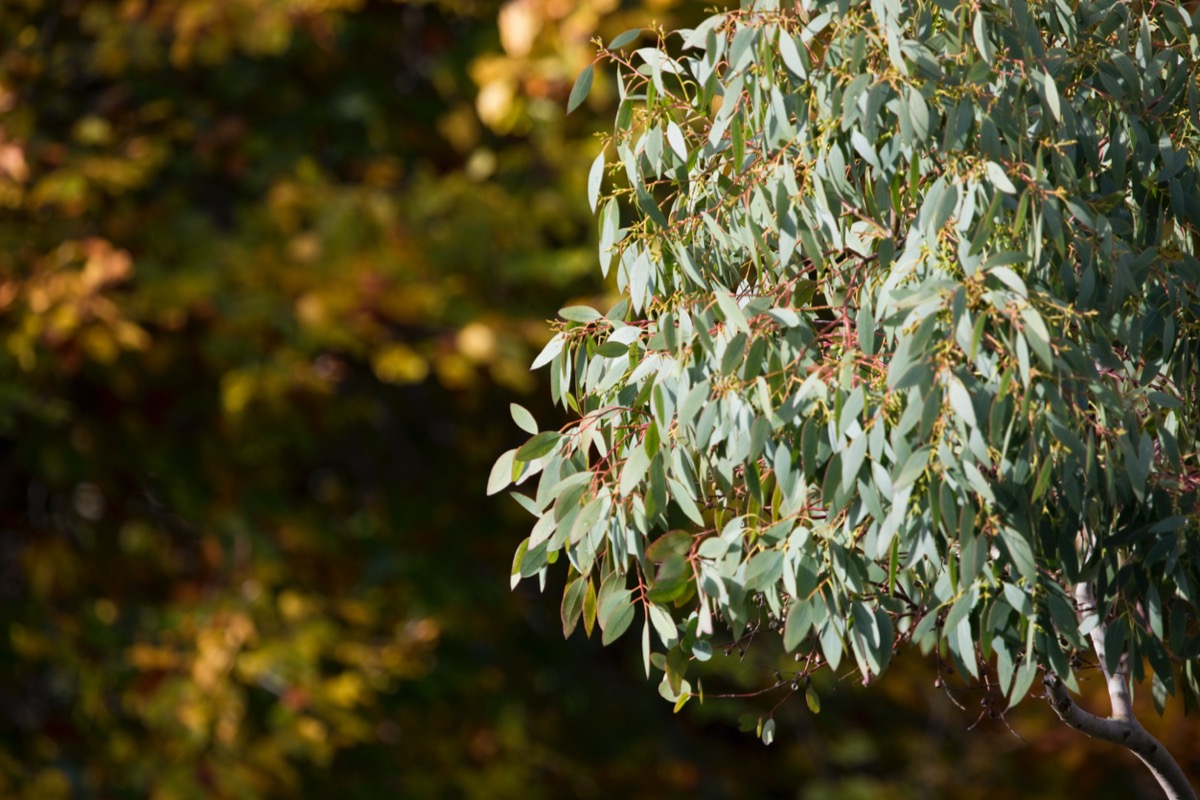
x,y
270,273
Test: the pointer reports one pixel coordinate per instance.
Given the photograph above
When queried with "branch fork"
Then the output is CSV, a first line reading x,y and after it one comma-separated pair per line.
x,y
1122,728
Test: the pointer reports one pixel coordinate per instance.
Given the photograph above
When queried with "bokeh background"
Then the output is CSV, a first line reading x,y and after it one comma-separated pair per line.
x,y
271,272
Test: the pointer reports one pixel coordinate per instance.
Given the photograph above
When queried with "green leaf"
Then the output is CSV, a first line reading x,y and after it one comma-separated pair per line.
x,y
501,475
637,464
589,608
799,624
982,42
538,446
914,467
852,460
651,207
831,644
961,610
523,418
768,731
618,622
572,604
1019,599
676,141
671,581
595,178
1038,335
1023,680
1114,644
672,543
1009,278
791,55
582,314
583,85
918,113
552,349
610,232
764,570
646,647
813,700
664,625
960,402
518,560
1043,478
996,175
1051,94
677,662
685,502
732,311
1020,552
625,38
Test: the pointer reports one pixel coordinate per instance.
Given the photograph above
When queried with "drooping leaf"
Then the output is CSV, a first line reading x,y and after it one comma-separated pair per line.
x,y
583,85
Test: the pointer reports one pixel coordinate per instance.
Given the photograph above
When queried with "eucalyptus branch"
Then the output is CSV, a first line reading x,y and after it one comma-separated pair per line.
x,y
1123,727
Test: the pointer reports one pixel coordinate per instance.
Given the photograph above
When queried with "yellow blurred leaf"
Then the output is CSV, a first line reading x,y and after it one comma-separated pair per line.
x,y
399,364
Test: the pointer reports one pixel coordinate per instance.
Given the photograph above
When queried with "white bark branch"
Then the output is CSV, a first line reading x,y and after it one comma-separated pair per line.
x,y
1122,727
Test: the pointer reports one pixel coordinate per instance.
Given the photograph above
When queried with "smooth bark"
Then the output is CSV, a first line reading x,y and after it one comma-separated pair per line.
x,y
1122,727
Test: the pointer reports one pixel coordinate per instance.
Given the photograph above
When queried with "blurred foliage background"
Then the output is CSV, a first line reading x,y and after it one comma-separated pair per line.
x,y
270,273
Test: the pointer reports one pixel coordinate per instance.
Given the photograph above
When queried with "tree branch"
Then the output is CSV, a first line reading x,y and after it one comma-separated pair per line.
x,y
1122,727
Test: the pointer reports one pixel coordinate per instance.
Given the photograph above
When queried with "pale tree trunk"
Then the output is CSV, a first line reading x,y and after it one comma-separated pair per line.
x,y
1122,727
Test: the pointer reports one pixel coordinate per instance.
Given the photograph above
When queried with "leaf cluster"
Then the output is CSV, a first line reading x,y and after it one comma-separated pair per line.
x,y
908,343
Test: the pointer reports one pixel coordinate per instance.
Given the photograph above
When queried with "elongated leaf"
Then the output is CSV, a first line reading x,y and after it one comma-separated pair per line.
x,y
582,314
552,348
768,731
634,471
646,647
960,401
997,176
791,55
686,504
982,42
676,141
538,446
583,85
618,623
1051,93
648,204
523,418
918,112
572,604
664,625
732,311
1021,553
799,624
589,608
501,475
595,178
1038,335
624,38
1023,680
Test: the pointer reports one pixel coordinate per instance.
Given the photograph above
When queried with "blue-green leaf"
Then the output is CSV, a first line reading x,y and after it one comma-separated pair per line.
x,y
732,311
538,446
625,38
523,418
582,314
583,85
501,475
595,177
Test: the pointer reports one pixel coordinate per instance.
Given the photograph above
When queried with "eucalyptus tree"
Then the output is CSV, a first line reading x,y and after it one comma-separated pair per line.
x,y
907,351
